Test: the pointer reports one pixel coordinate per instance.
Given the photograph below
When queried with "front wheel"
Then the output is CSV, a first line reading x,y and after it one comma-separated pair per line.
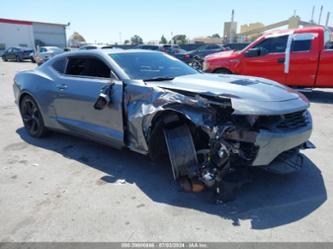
x,y
4,58
18,58
32,117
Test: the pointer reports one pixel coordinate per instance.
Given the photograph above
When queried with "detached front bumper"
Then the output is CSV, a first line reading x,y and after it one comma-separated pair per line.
x,y
272,144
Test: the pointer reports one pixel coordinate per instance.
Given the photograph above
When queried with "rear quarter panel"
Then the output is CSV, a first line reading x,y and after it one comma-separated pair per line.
x,y
39,85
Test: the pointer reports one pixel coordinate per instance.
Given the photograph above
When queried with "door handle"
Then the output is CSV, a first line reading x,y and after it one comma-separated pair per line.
x,y
61,87
281,60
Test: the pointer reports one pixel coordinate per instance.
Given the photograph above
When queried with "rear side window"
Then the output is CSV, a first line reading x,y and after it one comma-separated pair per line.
x,y
274,44
328,40
60,65
301,45
87,66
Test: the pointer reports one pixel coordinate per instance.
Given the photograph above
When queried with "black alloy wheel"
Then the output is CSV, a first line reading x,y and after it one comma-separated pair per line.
x,y
32,118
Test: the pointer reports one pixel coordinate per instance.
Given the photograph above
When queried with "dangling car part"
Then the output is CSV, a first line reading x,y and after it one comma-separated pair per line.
x,y
197,63
212,127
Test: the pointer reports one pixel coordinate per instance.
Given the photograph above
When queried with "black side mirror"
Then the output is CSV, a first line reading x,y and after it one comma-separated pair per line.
x,y
253,52
104,98
101,101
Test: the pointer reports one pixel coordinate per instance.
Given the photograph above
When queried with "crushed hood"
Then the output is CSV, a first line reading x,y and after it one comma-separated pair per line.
x,y
243,91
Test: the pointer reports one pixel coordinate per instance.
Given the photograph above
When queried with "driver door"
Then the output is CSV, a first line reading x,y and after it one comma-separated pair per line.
x,y
270,63
77,91
10,54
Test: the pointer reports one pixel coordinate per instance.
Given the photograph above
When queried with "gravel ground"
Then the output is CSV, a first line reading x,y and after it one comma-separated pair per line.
x,y
63,188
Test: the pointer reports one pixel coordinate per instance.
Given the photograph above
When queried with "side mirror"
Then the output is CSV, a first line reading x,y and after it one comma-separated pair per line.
x,y
101,101
104,98
253,52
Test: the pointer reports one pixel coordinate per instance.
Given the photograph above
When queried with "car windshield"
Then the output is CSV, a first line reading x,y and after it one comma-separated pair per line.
x,y
151,65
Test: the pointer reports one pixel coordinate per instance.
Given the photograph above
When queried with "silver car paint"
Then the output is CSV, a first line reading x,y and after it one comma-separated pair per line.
x,y
73,111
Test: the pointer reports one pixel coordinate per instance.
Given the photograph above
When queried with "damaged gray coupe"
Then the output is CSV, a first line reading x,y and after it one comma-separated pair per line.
x,y
210,126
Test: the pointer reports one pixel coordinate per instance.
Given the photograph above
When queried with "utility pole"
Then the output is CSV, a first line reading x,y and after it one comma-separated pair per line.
x,y
320,13
327,18
313,12
231,26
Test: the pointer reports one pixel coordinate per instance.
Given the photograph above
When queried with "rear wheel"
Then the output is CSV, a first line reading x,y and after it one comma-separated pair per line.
x,y
223,71
32,117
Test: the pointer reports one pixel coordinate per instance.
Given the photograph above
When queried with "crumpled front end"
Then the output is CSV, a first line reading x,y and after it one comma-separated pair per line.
x,y
208,141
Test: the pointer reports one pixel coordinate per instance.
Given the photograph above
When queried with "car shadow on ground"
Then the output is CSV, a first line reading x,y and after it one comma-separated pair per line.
x,y
320,96
269,201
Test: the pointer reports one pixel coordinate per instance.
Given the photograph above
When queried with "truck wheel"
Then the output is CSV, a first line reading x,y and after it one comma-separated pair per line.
x,y
32,117
222,71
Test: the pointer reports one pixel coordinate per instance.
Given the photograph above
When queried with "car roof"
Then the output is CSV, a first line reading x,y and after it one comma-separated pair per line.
x,y
109,51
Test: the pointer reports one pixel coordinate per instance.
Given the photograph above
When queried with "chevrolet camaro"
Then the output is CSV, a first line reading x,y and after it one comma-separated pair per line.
x,y
209,125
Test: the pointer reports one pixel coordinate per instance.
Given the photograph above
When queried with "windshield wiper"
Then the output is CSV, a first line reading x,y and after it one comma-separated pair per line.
x,y
159,79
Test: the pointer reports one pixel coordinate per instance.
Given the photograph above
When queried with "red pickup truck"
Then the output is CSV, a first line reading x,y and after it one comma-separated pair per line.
x,y
301,58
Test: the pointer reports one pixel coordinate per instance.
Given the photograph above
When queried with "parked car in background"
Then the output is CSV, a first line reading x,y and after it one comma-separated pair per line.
x,y
210,126
148,47
301,58
89,47
235,46
200,52
93,46
46,52
17,54
170,48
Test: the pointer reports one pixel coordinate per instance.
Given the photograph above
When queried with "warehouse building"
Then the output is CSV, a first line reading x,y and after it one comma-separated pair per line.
x,y
29,34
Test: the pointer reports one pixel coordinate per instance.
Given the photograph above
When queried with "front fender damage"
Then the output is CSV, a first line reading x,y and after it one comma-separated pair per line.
x,y
221,163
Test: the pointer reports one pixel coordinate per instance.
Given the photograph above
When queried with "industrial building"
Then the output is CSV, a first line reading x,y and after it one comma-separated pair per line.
x,y
29,34
249,32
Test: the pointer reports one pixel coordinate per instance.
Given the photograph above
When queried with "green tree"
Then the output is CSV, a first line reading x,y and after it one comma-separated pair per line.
x,y
163,40
215,36
135,40
179,39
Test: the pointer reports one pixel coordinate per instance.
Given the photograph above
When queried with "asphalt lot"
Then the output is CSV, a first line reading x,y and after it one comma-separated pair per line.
x,y
63,188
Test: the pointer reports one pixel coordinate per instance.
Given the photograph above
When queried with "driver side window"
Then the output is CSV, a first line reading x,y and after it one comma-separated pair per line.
x,y
274,44
88,67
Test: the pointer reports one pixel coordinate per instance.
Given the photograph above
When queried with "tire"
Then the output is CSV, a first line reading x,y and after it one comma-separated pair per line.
x,y
32,117
222,71
18,58
4,58
33,60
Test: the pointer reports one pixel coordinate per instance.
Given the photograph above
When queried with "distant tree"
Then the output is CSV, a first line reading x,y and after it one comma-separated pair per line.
x,y
135,40
76,40
127,42
215,36
180,39
163,40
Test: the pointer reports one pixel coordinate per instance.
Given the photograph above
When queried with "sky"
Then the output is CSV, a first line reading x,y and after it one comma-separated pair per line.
x,y
112,21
